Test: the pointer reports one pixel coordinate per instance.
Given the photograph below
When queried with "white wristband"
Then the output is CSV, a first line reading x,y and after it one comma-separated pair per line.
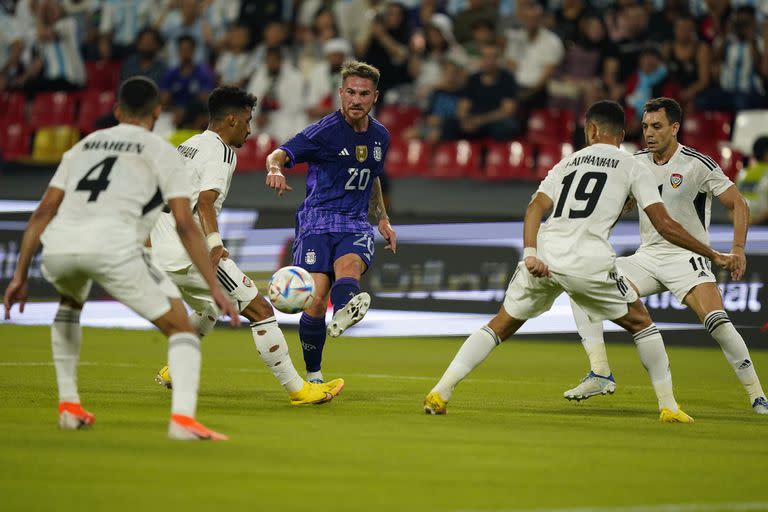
x,y
529,251
213,240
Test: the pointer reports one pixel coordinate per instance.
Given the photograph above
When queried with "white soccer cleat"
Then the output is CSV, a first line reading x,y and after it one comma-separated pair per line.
x,y
760,405
592,385
349,315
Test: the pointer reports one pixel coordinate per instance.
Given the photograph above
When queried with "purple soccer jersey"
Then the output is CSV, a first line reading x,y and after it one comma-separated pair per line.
x,y
342,167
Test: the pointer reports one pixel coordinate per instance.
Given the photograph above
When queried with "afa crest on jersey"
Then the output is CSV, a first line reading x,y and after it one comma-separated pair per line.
x,y
361,152
247,281
377,153
310,257
676,180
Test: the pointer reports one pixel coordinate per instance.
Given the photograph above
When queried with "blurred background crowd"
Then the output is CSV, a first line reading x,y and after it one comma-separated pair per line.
x,y
475,73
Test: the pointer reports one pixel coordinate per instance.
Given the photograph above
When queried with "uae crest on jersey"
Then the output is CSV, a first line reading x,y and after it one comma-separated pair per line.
x,y
676,180
361,152
310,257
247,281
377,153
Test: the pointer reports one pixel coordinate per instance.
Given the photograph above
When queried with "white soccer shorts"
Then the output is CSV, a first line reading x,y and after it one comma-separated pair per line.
x,y
131,279
232,281
602,298
678,273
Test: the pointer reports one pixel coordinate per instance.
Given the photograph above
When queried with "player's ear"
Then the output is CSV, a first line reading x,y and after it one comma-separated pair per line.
x,y
376,96
675,128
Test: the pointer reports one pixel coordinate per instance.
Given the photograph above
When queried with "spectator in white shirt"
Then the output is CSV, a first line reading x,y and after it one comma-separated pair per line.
x,y
280,89
325,79
533,54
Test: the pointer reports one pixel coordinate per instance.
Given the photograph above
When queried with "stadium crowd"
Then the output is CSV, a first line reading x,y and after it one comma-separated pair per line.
x,y
474,71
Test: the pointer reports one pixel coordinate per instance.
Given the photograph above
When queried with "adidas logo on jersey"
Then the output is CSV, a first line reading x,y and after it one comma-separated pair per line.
x,y
746,364
344,152
702,274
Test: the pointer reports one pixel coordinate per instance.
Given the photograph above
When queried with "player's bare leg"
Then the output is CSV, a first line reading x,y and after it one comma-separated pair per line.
x,y
184,362
705,300
66,337
349,303
273,349
473,351
650,347
312,328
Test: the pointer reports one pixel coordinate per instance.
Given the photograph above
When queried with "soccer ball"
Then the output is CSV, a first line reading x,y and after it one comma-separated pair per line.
x,y
291,289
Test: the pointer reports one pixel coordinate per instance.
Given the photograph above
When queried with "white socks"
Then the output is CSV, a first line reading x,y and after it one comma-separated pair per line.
x,y
273,350
184,365
66,335
592,340
722,330
204,322
650,346
473,352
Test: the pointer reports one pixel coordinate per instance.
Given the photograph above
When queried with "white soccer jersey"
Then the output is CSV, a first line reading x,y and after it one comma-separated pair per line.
x,y
588,190
210,164
115,182
686,183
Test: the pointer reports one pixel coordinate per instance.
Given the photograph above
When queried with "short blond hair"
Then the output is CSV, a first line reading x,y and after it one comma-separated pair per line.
x,y
361,69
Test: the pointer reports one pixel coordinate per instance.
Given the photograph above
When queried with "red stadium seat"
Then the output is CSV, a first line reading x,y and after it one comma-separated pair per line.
x,y
103,75
407,158
549,125
397,118
12,106
252,156
458,159
706,131
14,141
52,109
509,161
94,105
730,161
549,155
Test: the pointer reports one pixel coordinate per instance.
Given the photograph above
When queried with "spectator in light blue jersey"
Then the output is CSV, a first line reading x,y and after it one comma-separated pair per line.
x,y
334,240
121,21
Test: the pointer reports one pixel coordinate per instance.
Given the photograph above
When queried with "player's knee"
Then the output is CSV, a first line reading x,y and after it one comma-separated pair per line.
x,y
71,302
319,306
175,320
258,309
636,319
504,325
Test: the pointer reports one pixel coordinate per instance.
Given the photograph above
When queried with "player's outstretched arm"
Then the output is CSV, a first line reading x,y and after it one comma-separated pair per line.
x,y
44,213
739,210
672,231
275,177
193,242
206,212
539,205
379,209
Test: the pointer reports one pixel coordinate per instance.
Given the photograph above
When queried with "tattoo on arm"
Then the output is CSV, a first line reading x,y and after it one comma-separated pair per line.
x,y
376,203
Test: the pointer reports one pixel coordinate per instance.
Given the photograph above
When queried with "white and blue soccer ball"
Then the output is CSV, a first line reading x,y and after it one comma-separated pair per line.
x,y
291,290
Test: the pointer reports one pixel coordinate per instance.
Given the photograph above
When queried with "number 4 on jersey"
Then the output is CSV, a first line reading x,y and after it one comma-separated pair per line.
x,y
100,183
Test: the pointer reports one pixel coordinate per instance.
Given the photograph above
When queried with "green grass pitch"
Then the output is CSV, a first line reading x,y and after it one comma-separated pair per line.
x,y
510,442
